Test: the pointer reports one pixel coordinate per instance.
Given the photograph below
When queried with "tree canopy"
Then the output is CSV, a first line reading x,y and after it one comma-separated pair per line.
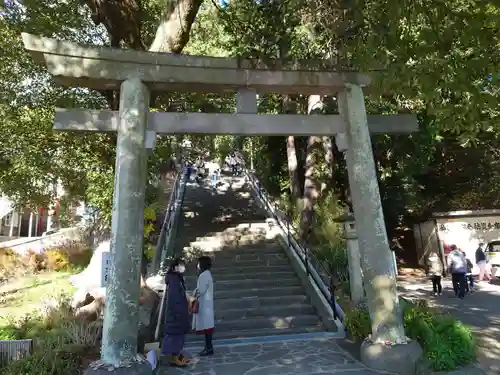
x,y
439,60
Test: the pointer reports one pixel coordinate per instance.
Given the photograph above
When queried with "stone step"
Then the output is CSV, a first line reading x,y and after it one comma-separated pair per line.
x,y
268,322
265,275
242,270
243,256
217,242
275,292
273,248
222,314
193,339
238,264
245,284
255,302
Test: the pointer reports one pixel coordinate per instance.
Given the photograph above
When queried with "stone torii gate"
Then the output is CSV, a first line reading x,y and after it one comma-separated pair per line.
x,y
137,74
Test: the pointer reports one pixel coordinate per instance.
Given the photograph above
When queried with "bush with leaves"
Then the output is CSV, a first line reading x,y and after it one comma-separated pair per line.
x,y
11,265
68,257
447,342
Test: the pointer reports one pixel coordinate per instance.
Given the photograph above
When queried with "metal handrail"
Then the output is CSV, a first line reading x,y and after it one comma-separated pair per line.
x,y
168,224
310,262
168,221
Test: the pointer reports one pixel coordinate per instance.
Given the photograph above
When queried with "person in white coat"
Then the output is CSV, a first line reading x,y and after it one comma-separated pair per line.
x,y
203,320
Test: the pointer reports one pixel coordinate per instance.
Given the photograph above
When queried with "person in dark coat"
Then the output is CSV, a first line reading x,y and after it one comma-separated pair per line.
x,y
177,319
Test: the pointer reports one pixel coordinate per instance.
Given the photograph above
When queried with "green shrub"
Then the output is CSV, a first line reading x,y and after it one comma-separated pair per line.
x,y
447,343
357,322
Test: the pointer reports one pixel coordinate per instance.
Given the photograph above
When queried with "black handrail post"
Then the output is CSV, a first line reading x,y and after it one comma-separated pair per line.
x,y
288,231
289,218
332,298
306,255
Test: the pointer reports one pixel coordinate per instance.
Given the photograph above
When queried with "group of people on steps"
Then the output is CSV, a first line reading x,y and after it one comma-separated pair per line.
x,y
460,268
186,313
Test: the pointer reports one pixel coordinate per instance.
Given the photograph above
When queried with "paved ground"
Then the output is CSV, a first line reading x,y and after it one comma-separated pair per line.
x,y
480,310
319,356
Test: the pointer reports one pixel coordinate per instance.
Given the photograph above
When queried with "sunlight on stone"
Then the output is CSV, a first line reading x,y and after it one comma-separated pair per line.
x,y
284,322
383,298
244,194
223,218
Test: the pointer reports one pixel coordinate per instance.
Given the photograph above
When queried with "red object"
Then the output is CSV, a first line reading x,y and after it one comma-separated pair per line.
x,y
446,248
203,331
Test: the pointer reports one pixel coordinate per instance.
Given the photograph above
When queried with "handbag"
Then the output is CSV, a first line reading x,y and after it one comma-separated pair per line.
x,y
195,306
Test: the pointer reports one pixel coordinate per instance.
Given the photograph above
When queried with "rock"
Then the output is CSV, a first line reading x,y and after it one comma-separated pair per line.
x,y
91,311
405,357
81,298
148,317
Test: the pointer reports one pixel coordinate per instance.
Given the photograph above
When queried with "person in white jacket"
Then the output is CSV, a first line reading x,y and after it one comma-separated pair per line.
x,y
203,320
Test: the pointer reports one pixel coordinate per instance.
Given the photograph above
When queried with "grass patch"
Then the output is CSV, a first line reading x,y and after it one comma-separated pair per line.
x,y
39,309
28,292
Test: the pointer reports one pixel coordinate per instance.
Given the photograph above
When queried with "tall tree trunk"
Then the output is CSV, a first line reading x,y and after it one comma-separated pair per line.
x,y
291,153
328,150
293,172
312,188
172,34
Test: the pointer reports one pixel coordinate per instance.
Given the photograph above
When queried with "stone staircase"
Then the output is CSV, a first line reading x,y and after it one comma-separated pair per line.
x,y
257,292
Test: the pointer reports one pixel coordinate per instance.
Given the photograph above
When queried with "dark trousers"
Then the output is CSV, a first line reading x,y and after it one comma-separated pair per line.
x,y
469,283
208,340
459,284
436,284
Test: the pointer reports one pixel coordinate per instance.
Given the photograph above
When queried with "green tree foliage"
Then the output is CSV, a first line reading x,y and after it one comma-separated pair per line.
x,y
438,60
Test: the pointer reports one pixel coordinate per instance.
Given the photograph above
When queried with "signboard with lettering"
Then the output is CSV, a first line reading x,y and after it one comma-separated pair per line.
x,y
467,233
105,266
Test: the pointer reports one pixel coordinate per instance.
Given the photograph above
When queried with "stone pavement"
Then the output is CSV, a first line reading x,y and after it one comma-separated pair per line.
x,y
308,357
480,310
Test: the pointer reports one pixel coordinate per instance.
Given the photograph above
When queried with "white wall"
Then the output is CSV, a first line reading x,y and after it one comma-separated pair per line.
x,y
467,232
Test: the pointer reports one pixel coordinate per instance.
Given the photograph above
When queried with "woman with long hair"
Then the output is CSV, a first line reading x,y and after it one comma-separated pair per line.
x,y
176,315
203,319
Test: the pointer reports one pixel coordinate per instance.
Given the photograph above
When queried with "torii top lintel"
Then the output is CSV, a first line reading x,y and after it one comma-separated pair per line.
x,y
104,68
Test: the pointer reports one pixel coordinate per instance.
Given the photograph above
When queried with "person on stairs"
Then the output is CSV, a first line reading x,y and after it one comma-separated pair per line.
x,y
176,315
435,272
203,319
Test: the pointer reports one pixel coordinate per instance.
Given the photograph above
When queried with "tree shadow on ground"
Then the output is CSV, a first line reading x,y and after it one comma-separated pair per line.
x,y
214,218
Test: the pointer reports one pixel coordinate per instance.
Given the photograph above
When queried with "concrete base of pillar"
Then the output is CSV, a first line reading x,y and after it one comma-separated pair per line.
x,y
135,368
401,359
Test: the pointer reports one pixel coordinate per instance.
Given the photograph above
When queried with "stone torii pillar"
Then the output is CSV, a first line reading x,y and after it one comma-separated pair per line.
x,y
121,319
388,348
